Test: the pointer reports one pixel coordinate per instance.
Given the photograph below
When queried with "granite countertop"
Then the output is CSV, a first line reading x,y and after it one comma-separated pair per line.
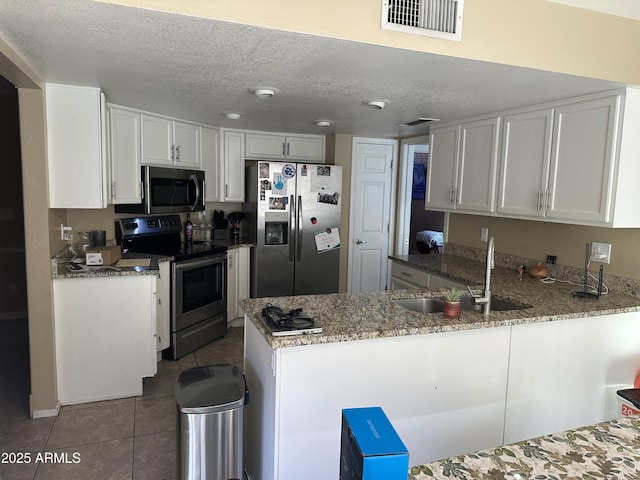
x,y
59,262
59,269
605,450
358,316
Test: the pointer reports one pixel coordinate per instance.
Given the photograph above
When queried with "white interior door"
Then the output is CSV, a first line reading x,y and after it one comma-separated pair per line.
x,y
372,182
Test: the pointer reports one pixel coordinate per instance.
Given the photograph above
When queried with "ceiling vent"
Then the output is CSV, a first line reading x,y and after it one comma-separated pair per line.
x,y
432,18
420,121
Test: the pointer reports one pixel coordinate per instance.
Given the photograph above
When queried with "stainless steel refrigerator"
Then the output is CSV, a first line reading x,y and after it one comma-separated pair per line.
x,y
293,218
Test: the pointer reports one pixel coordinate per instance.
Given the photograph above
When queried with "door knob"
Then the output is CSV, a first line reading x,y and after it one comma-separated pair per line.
x,y
360,242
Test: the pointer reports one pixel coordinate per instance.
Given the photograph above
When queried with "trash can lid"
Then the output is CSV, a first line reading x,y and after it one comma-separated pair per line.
x,y
211,389
631,395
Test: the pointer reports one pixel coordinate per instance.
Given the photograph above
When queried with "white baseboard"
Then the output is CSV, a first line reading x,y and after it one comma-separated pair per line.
x,y
236,322
53,412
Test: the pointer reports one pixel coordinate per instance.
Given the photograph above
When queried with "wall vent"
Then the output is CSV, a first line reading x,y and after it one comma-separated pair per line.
x,y
433,18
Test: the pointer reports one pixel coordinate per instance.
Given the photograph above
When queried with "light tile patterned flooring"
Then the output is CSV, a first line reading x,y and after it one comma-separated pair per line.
x,y
125,439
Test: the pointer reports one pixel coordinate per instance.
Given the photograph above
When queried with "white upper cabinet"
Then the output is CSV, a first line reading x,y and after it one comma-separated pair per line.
x,y
300,148
233,164
524,170
461,174
76,144
186,141
573,161
442,171
168,142
211,163
124,149
478,164
582,160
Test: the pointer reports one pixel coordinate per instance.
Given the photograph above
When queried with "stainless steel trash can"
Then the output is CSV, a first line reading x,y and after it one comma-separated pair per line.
x,y
209,403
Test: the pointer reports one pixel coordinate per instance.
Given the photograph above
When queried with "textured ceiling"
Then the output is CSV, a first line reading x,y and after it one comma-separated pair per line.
x,y
199,69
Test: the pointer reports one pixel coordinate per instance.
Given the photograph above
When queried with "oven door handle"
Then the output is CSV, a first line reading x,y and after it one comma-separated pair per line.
x,y
199,262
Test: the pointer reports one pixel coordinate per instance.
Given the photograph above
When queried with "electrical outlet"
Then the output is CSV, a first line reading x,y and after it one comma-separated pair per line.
x,y
66,233
484,234
551,259
600,252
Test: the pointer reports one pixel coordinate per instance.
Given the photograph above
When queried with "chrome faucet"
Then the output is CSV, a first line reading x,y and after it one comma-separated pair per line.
x,y
486,299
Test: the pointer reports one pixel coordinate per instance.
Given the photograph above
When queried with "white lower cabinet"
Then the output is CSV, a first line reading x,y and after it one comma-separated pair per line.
x,y
237,280
565,374
163,306
445,393
404,277
105,335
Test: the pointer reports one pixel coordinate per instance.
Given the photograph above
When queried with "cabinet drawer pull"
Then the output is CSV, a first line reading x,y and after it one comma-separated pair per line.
x,y
406,274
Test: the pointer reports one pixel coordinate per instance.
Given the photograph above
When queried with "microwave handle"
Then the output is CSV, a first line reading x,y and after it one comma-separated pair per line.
x,y
194,180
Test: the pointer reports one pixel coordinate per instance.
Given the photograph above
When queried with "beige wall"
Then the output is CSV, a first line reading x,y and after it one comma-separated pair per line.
x,y
533,239
342,156
531,33
38,224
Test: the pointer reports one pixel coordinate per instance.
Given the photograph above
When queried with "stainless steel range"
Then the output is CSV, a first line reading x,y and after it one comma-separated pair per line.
x,y
198,279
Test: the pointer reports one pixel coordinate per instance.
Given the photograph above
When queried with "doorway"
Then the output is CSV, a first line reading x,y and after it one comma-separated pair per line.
x,y
418,230
14,331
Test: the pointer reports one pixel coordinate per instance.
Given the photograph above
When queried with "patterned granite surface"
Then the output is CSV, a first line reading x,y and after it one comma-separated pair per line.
x,y
605,450
59,262
358,316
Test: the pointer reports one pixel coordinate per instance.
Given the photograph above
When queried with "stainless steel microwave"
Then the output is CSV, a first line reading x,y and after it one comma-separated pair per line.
x,y
168,190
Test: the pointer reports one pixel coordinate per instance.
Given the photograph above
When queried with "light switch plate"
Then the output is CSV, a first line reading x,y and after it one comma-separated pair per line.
x,y
484,234
601,252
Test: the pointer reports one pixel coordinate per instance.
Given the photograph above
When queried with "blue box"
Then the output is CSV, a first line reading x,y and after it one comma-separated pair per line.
x,y
370,448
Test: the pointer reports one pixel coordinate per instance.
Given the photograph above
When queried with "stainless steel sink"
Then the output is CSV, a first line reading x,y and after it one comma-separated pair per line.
x,y
421,305
433,305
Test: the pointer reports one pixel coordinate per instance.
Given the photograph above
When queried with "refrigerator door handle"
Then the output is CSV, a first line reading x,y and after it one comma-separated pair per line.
x,y
299,229
291,228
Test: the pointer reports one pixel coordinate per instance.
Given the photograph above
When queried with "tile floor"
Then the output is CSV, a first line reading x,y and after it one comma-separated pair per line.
x,y
126,439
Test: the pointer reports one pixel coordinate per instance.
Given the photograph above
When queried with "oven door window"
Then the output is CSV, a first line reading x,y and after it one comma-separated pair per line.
x,y
202,286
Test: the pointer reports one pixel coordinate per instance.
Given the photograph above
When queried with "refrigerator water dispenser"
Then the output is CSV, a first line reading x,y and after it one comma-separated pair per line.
x,y
276,226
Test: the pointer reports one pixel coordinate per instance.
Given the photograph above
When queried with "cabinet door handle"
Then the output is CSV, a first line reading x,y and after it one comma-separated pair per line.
x,y
287,149
452,193
284,149
178,153
547,201
539,207
226,191
173,153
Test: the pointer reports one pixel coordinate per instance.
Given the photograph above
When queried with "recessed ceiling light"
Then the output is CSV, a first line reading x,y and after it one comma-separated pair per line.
x,y
323,123
232,116
265,92
377,104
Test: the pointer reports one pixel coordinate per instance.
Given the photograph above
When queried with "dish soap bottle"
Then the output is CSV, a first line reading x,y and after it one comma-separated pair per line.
x,y
188,230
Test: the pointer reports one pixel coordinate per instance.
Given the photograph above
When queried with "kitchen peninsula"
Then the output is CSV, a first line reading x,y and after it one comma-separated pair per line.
x,y
448,386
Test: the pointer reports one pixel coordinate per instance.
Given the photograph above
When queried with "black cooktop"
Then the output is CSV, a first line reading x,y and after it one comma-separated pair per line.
x,y
160,235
